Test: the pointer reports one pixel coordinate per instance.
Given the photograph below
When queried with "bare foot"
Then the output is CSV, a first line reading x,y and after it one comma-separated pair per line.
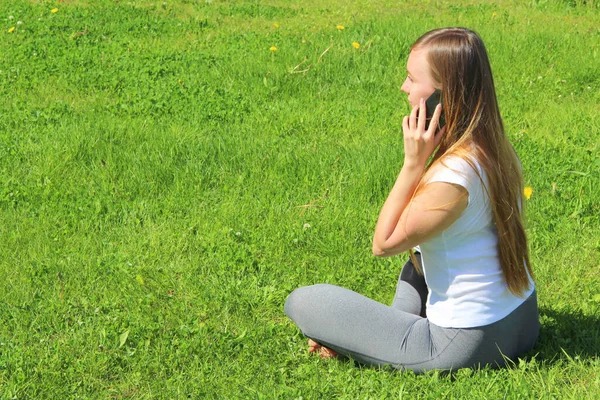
x,y
323,351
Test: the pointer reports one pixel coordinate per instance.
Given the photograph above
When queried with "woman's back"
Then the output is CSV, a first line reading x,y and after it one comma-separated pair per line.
x,y
461,265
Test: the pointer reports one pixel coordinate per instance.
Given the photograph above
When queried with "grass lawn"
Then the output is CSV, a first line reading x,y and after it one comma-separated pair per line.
x,y
171,171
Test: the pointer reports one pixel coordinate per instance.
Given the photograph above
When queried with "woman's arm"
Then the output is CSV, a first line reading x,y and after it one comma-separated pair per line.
x,y
403,223
434,208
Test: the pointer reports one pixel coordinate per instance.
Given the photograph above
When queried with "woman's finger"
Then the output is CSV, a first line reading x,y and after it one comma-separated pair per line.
x,y
435,119
422,115
413,118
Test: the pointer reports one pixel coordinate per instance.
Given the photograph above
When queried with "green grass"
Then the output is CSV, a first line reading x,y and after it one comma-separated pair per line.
x,y
159,164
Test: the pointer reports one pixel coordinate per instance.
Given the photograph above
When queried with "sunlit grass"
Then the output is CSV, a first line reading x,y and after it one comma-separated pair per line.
x,y
167,178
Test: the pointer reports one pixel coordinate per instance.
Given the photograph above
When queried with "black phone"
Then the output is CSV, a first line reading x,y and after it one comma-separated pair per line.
x,y
431,103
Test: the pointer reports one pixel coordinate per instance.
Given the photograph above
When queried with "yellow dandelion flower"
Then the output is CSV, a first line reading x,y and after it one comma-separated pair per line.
x,y
340,27
356,45
275,25
54,10
273,48
527,192
11,29
494,15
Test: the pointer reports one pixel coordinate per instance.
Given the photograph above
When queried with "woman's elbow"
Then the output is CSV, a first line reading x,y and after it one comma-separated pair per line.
x,y
380,251
376,247
377,251
390,248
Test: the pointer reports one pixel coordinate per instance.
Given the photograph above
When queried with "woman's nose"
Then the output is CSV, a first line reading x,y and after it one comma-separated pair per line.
x,y
404,86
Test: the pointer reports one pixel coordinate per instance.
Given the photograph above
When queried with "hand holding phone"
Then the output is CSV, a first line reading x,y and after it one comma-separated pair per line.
x,y
430,105
419,143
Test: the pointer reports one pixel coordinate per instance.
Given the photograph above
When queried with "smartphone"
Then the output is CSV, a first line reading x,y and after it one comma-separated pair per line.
x,y
431,103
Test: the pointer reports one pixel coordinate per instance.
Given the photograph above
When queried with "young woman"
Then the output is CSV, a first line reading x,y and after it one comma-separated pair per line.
x,y
466,298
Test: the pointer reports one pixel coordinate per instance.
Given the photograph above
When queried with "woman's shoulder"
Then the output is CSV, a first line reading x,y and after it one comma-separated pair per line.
x,y
460,166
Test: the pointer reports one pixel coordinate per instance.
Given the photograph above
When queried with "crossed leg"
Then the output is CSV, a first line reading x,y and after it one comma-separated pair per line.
x,y
410,297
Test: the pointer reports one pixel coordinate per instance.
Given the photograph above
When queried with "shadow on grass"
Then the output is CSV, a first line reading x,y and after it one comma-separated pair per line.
x,y
570,334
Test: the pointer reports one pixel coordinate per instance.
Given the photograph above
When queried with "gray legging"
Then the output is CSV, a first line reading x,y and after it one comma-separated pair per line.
x,y
399,336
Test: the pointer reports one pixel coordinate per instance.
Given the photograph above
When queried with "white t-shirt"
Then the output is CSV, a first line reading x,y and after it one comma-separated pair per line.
x,y
461,266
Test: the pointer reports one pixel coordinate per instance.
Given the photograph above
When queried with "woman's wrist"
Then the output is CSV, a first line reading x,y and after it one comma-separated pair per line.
x,y
413,167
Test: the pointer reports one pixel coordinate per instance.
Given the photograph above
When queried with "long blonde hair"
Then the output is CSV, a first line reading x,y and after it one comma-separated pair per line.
x,y
460,67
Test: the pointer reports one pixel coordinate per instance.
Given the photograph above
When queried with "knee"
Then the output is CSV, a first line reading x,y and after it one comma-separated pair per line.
x,y
296,301
291,303
308,308
303,301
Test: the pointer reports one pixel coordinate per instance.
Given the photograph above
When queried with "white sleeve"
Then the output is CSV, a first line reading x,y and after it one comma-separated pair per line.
x,y
452,169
